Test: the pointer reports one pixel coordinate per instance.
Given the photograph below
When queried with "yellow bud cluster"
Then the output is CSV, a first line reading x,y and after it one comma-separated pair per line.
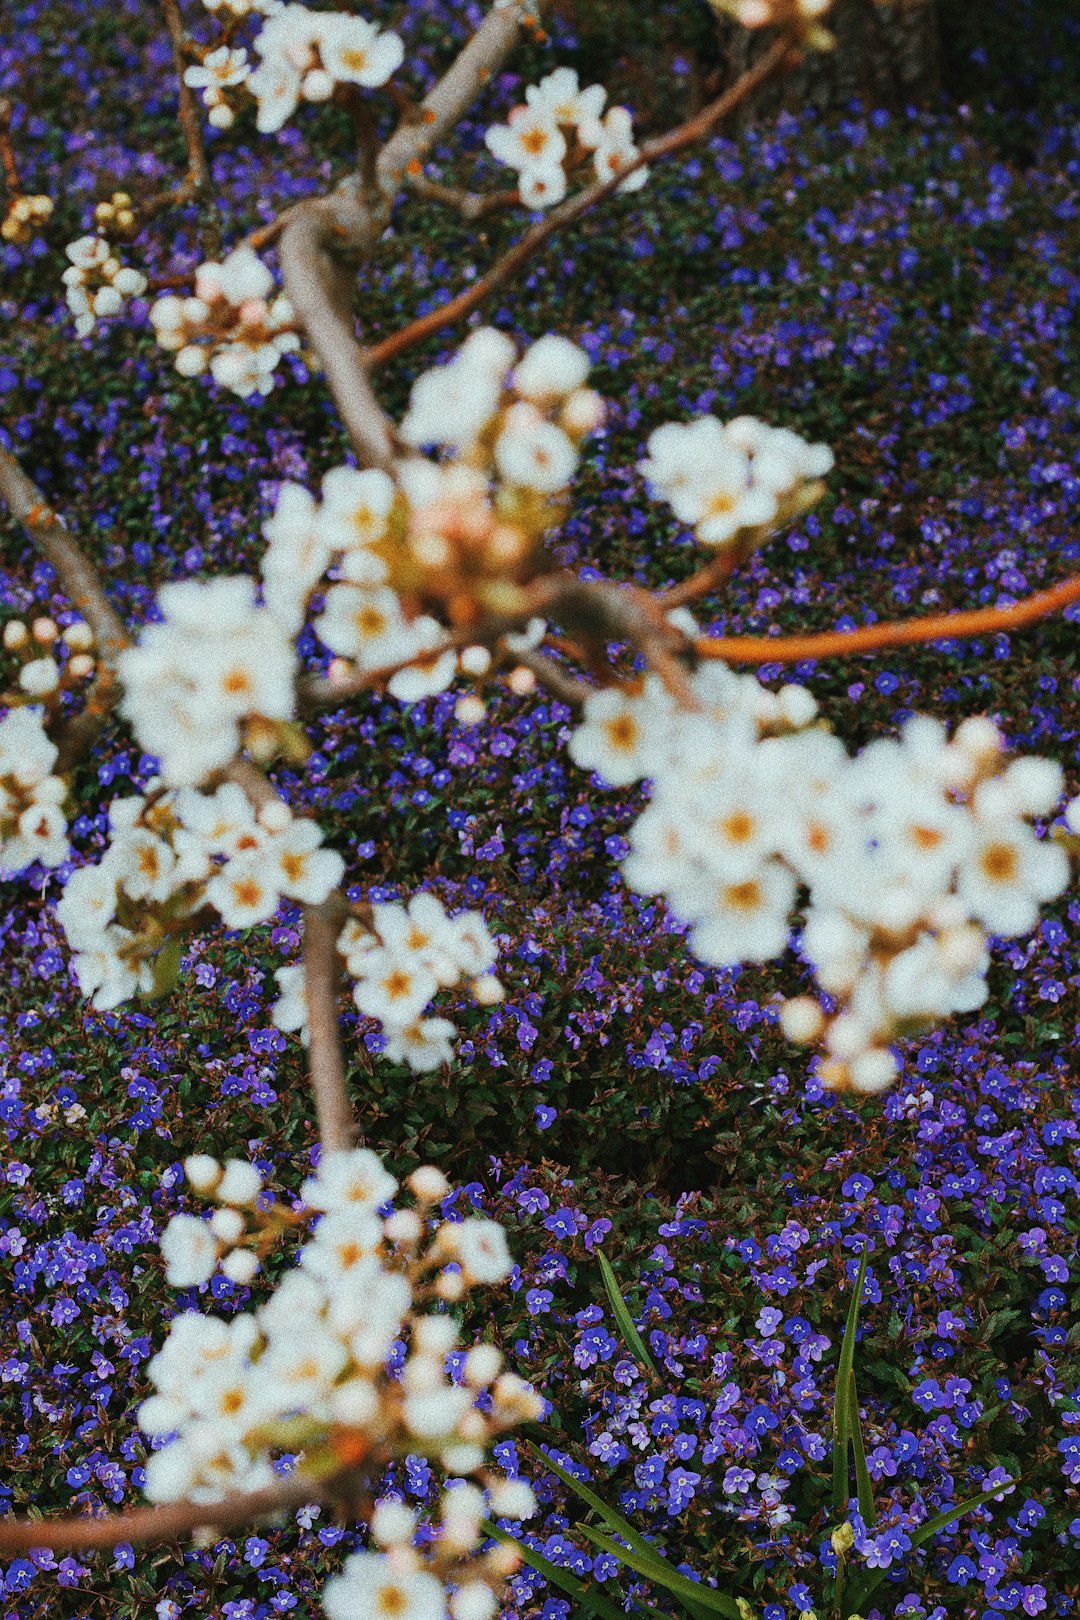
x,y
117,216
25,215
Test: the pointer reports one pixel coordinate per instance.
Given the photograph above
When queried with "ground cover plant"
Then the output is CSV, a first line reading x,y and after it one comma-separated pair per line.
x,y
687,1197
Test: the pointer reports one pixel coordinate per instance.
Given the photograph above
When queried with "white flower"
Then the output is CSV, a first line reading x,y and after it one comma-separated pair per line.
x,y
473,948
355,52
475,1600
1008,873
542,185
299,867
370,1588
189,1250
550,368
529,139
42,837
290,1011
741,921
105,976
367,625
355,509
533,452
424,1046
242,894
349,1178
224,821
297,557
395,988
240,1184
275,84
451,405
621,736
430,671
480,1249
612,143
559,99
392,1522
488,350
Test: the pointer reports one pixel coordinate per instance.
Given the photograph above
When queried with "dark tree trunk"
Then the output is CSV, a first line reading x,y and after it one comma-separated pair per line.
x,y
886,55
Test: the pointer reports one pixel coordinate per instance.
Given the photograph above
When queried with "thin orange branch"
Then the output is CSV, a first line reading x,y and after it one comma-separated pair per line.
x,y
898,633
780,56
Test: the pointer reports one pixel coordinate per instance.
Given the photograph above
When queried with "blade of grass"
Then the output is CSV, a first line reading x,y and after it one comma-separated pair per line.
x,y
680,1586
634,1342
841,1415
867,1508
581,1591
867,1588
611,1517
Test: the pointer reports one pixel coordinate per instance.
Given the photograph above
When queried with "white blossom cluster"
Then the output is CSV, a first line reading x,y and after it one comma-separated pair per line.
x,y
32,822
557,126
306,53
401,962
220,70
514,428
231,324
723,478
217,660
310,1373
172,853
363,619
910,854
527,416
97,283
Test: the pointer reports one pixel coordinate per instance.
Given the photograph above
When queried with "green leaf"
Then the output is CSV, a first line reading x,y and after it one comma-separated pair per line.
x,y
841,1413
581,1591
634,1342
611,1517
858,1597
862,1473
166,970
659,1570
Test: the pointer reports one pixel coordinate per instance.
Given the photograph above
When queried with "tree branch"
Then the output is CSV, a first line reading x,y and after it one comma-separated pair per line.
x,y
190,114
12,178
320,251
444,105
77,576
471,205
167,1522
899,633
780,57
336,1121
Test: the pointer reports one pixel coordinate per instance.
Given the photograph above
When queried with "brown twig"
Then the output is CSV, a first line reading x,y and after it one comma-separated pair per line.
x,y
78,578
471,205
7,150
898,633
190,116
170,1521
780,56
336,1121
